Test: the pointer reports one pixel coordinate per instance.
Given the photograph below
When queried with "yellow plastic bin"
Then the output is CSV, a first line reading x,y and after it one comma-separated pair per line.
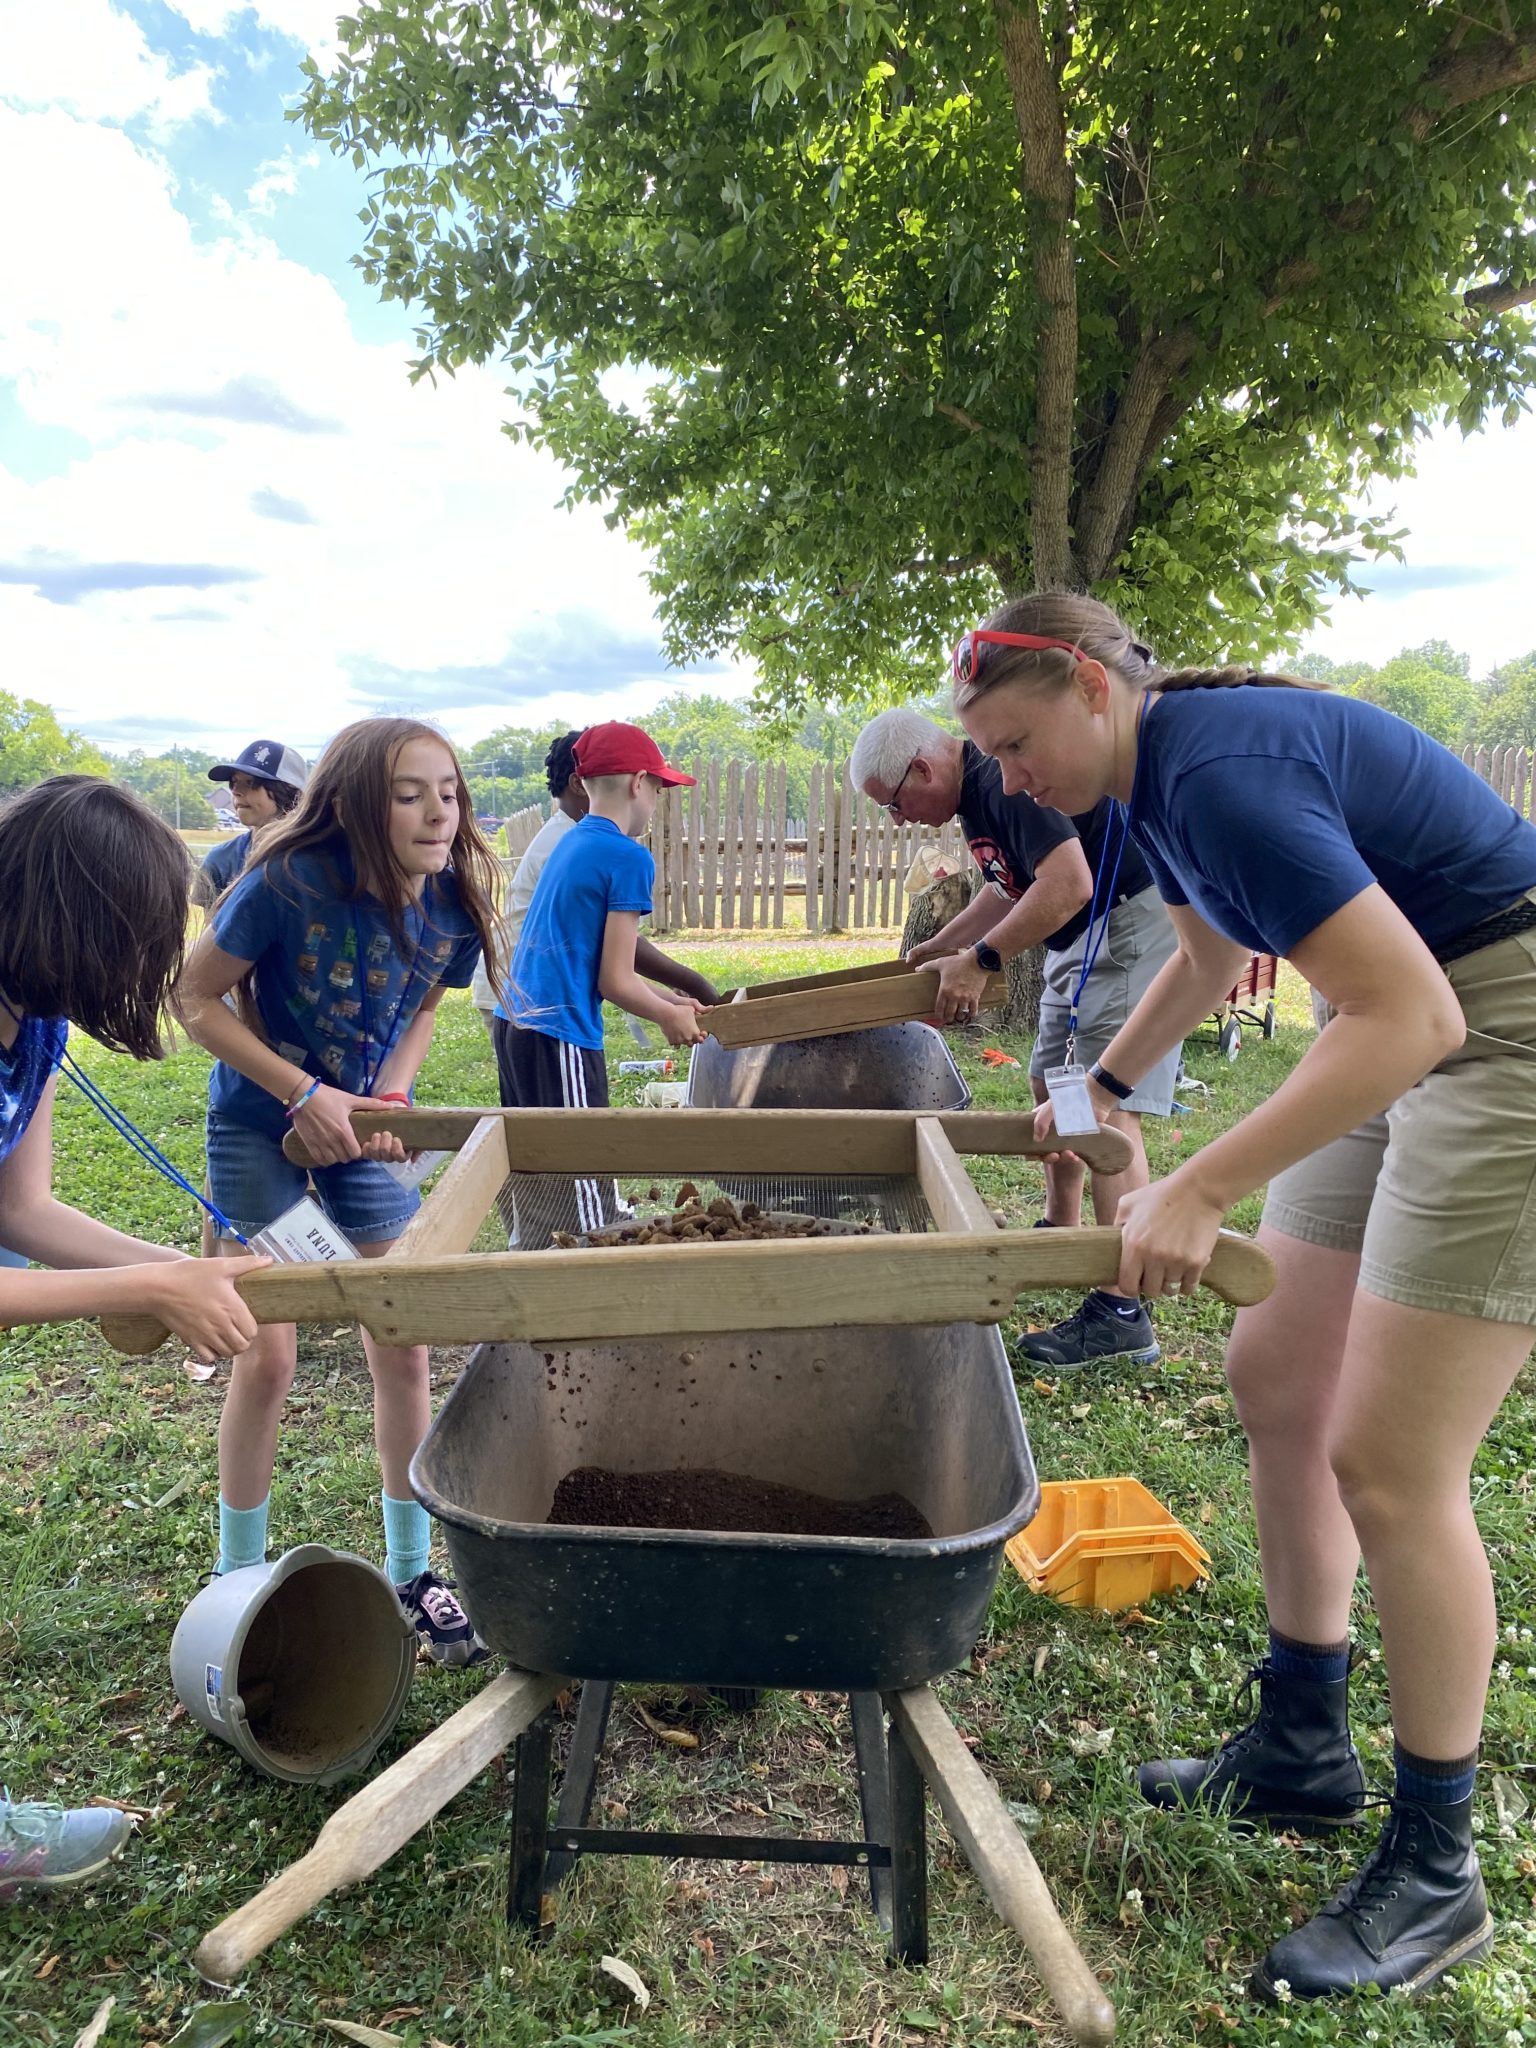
x,y
1105,1543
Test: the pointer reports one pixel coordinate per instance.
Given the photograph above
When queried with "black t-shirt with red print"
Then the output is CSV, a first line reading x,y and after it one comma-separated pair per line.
x,y
1009,836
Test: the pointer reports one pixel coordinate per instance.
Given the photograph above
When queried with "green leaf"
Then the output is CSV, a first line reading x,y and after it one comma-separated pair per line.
x,y
212,2023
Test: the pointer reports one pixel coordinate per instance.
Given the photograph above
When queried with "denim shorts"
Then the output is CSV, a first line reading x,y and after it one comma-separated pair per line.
x,y
251,1181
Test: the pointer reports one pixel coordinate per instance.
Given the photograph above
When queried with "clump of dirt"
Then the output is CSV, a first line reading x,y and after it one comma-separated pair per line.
x,y
721,1221
593,1497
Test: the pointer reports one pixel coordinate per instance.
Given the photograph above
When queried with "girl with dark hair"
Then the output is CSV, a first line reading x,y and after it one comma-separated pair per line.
x,y
1401,1214
93,912
358,909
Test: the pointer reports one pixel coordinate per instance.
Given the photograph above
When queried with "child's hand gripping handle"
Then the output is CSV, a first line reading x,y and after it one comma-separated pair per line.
x,y
198,1300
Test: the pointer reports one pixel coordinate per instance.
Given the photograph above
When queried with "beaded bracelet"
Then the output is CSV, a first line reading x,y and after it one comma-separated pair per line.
x,y
295,1106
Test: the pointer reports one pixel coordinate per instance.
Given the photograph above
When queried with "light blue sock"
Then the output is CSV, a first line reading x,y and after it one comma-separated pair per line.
x,y
242,1536
407,1539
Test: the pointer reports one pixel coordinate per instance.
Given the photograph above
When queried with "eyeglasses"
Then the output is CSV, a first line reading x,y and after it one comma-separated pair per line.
x,y
966,660
891,804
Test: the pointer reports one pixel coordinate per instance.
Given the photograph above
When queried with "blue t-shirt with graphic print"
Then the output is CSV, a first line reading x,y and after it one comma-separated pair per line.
x,y
224,862
25,1068
1268,810
332,989
553,982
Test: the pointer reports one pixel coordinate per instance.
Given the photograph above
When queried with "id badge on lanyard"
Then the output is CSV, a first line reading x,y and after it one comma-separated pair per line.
x,y
1067,1086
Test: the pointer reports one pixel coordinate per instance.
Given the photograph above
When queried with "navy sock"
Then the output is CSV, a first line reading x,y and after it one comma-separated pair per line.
x,y
1117,1305
1322,1663
1431,1781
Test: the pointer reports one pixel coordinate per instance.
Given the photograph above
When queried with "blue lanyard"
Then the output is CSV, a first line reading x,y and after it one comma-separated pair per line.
x,y
371,1074
1098,924
146,1148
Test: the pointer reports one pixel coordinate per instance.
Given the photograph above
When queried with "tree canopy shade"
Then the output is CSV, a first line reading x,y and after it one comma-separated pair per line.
x,y
863,314
33,745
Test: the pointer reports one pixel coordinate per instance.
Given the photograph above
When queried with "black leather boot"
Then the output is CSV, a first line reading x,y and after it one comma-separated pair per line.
x,y
1414,1908
1293,1766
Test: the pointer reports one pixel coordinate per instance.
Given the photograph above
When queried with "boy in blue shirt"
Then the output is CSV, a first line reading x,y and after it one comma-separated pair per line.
x,y
577,950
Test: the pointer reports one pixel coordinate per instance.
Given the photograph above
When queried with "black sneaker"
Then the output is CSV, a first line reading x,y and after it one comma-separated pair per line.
x,y
445,1630
1095,1335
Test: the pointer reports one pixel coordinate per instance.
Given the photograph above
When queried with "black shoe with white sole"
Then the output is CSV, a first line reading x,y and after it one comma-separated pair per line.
x,y
1098,1333
1413,1910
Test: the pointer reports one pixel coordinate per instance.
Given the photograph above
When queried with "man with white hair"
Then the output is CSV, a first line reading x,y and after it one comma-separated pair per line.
x,y
1041,867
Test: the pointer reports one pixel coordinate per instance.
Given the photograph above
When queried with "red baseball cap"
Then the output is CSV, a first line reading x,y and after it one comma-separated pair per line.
x,y
619,749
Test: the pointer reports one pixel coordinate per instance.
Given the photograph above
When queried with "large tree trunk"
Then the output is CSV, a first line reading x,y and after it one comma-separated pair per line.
x,y
1026,985
932,908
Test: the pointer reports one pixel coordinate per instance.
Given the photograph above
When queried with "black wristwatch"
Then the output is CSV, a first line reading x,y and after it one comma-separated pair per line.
x,y
1110,1083
989,957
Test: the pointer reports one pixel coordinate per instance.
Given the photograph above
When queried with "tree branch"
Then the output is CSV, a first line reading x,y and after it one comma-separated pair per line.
x,y
1050,190
1126,447
1149,409
1485,301
1459,78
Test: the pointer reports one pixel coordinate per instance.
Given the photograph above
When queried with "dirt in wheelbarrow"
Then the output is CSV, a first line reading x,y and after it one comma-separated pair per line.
x,y
591,1497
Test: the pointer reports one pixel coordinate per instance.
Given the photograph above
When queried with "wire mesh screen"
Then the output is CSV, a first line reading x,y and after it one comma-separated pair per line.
x,y
536,1210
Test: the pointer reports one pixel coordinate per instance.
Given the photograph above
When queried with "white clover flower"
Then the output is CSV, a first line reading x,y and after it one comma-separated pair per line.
x,y
1503,1669
1282,1990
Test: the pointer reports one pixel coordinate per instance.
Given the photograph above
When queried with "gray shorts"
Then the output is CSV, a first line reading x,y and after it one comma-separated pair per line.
x,y
1437,1196
1140,938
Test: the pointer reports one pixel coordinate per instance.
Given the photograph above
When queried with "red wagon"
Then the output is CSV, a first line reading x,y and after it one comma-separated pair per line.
x,y
1241,1005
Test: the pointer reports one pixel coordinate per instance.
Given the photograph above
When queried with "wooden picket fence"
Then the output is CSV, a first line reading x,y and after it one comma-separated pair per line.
x,y
520,829
728,854
1506,769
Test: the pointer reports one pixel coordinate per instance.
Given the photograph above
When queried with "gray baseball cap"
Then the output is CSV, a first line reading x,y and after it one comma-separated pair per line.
x,y
265,761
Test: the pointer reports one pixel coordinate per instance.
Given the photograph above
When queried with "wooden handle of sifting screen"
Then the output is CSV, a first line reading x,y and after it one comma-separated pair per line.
x,y
1241,1272
134,1336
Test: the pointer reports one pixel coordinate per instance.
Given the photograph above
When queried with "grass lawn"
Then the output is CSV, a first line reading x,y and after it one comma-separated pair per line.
x,y
107,1520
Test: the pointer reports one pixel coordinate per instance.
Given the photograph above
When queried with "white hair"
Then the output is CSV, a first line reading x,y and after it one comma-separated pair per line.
x,y
890,743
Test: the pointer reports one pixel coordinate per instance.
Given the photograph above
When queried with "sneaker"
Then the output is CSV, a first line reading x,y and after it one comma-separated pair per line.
x,y
446,1632
48,1846
1095,1335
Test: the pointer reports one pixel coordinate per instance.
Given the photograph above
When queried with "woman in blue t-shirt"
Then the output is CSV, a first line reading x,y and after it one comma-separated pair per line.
x,y
1401,1162
93,914
355,914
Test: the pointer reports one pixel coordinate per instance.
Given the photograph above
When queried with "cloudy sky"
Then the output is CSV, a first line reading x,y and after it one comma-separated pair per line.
x,y
224,509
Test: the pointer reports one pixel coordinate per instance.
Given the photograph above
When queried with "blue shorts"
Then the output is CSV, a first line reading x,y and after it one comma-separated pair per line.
x,y
251,1181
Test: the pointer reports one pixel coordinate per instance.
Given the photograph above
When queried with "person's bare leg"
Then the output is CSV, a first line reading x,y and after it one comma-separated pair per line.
x,y
258,1386
1109,1187
1283,1365
402,1400
1417,1394
1064,1178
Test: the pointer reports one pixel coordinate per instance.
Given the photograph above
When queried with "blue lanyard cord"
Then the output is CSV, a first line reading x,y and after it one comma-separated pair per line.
x,y
145,1147
1095,937
1098,926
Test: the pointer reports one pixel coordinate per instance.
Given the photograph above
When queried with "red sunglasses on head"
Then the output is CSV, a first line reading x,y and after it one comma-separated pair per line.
x,y
966,660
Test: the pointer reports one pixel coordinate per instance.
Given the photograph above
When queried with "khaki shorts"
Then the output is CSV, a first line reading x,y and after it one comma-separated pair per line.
x,y
1438,1194
1139,939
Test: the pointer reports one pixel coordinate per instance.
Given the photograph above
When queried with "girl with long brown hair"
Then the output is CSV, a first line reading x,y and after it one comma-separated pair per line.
x,y
1400,1157
93,917
358,909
